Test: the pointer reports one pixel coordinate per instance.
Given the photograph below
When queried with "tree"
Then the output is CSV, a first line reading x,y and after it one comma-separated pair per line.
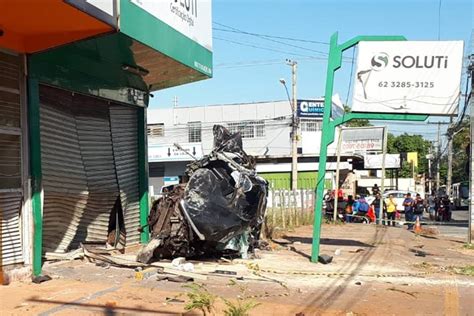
x,y
460,157
409,143
356,123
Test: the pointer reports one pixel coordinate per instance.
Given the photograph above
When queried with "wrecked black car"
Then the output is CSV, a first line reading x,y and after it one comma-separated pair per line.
x,y
220,208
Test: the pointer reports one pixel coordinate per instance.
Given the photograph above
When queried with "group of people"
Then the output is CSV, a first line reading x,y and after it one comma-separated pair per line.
x,y
358,208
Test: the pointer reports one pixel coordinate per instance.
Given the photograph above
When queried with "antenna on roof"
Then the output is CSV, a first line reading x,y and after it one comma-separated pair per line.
x,y
175,101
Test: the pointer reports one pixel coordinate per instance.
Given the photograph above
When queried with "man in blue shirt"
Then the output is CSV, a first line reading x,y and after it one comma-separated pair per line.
x,y
408,203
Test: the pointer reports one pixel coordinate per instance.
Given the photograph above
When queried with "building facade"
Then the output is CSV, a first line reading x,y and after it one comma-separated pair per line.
x,y
75,78
265,128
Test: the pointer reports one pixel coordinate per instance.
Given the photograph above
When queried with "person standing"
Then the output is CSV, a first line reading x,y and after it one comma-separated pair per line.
x,y
408,204
376,204
391,210
375,189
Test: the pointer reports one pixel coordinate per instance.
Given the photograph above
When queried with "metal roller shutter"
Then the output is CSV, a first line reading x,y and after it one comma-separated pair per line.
x,y
93,129
89,159
79,181
10,245
11,200
64,179
123,122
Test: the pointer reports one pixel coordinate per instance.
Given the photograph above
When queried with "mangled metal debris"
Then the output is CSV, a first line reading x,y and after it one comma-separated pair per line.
x,y
220,208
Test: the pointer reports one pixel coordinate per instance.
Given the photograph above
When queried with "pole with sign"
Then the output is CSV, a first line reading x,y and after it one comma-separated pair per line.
x,y
338,153
328,128
382,187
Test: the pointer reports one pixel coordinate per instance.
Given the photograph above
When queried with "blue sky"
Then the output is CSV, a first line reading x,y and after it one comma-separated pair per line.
x,y
247,74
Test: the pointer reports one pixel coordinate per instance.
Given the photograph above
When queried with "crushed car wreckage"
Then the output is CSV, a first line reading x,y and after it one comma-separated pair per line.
x,y
219,209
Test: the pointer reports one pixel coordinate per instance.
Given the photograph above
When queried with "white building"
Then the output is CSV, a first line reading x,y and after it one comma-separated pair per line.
x,y
265,128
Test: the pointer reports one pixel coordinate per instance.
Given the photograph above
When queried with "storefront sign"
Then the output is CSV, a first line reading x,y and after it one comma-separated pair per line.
x,y
361,139
169,152
191,18
416,77
310,108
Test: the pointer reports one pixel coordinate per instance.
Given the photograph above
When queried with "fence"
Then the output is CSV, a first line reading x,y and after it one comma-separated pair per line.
x,y
289,208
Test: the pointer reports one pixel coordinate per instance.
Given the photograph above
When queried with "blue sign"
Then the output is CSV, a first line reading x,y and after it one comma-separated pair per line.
x,y
310,108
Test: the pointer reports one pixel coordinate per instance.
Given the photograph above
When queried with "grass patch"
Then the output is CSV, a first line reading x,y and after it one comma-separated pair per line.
x,y
467,270
468,246
200,298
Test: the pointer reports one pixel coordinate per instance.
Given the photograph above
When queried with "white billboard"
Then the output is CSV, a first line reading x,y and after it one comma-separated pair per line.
x,y
416,77
392,161
361,139
191,18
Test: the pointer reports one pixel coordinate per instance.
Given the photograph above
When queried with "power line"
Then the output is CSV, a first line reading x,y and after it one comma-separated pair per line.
x,y
261,47
439,20
234,30
273,40
350,78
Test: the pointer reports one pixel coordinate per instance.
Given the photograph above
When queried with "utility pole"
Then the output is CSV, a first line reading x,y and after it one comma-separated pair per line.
x,y
450,161
294,127
438,158
471,162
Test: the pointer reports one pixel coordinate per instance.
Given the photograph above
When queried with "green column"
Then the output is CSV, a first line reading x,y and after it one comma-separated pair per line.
x,y
143,173
35,170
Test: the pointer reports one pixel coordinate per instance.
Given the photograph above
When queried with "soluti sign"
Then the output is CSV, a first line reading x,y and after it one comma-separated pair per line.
x,y
413,77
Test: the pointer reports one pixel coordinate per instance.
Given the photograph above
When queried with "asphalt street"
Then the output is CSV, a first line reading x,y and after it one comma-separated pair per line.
x,y
457,227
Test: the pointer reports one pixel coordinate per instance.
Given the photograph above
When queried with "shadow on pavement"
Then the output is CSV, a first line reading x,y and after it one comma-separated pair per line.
x,y
108,310
329,241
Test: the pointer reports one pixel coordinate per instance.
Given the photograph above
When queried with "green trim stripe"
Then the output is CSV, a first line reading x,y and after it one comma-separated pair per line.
x,y
143,174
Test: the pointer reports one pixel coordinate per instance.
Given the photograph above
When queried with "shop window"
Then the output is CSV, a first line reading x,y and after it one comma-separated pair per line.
x,y
310,125
194,132
248,129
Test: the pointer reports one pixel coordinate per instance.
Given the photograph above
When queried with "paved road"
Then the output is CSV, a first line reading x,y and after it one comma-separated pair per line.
x,y
457,227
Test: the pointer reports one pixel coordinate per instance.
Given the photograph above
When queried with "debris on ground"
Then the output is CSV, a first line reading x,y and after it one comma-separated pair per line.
x,y
220,209
71,255
401,291
41,278
325,259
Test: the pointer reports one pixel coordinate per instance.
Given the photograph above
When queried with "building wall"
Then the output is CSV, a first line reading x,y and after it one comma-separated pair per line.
x,y
275,115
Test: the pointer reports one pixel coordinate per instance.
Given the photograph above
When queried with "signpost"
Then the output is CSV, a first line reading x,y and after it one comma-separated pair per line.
x,y
334,63
352,140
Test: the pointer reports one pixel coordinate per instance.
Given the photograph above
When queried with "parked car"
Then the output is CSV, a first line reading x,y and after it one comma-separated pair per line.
x,y
399,196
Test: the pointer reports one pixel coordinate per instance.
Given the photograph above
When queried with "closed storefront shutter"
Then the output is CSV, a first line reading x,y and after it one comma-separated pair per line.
x,y
64,178
89,160
10,247
123,123
10,160
93,128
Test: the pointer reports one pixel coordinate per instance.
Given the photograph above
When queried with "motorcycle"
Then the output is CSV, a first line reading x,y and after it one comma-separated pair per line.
x,y
443,212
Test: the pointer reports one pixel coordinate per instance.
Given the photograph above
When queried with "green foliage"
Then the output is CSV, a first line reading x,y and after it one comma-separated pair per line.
x,y
356,123
199,298
460,157
409,143
242,306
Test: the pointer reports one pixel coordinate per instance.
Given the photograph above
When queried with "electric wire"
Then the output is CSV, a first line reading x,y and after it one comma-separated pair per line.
x,y
235,30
